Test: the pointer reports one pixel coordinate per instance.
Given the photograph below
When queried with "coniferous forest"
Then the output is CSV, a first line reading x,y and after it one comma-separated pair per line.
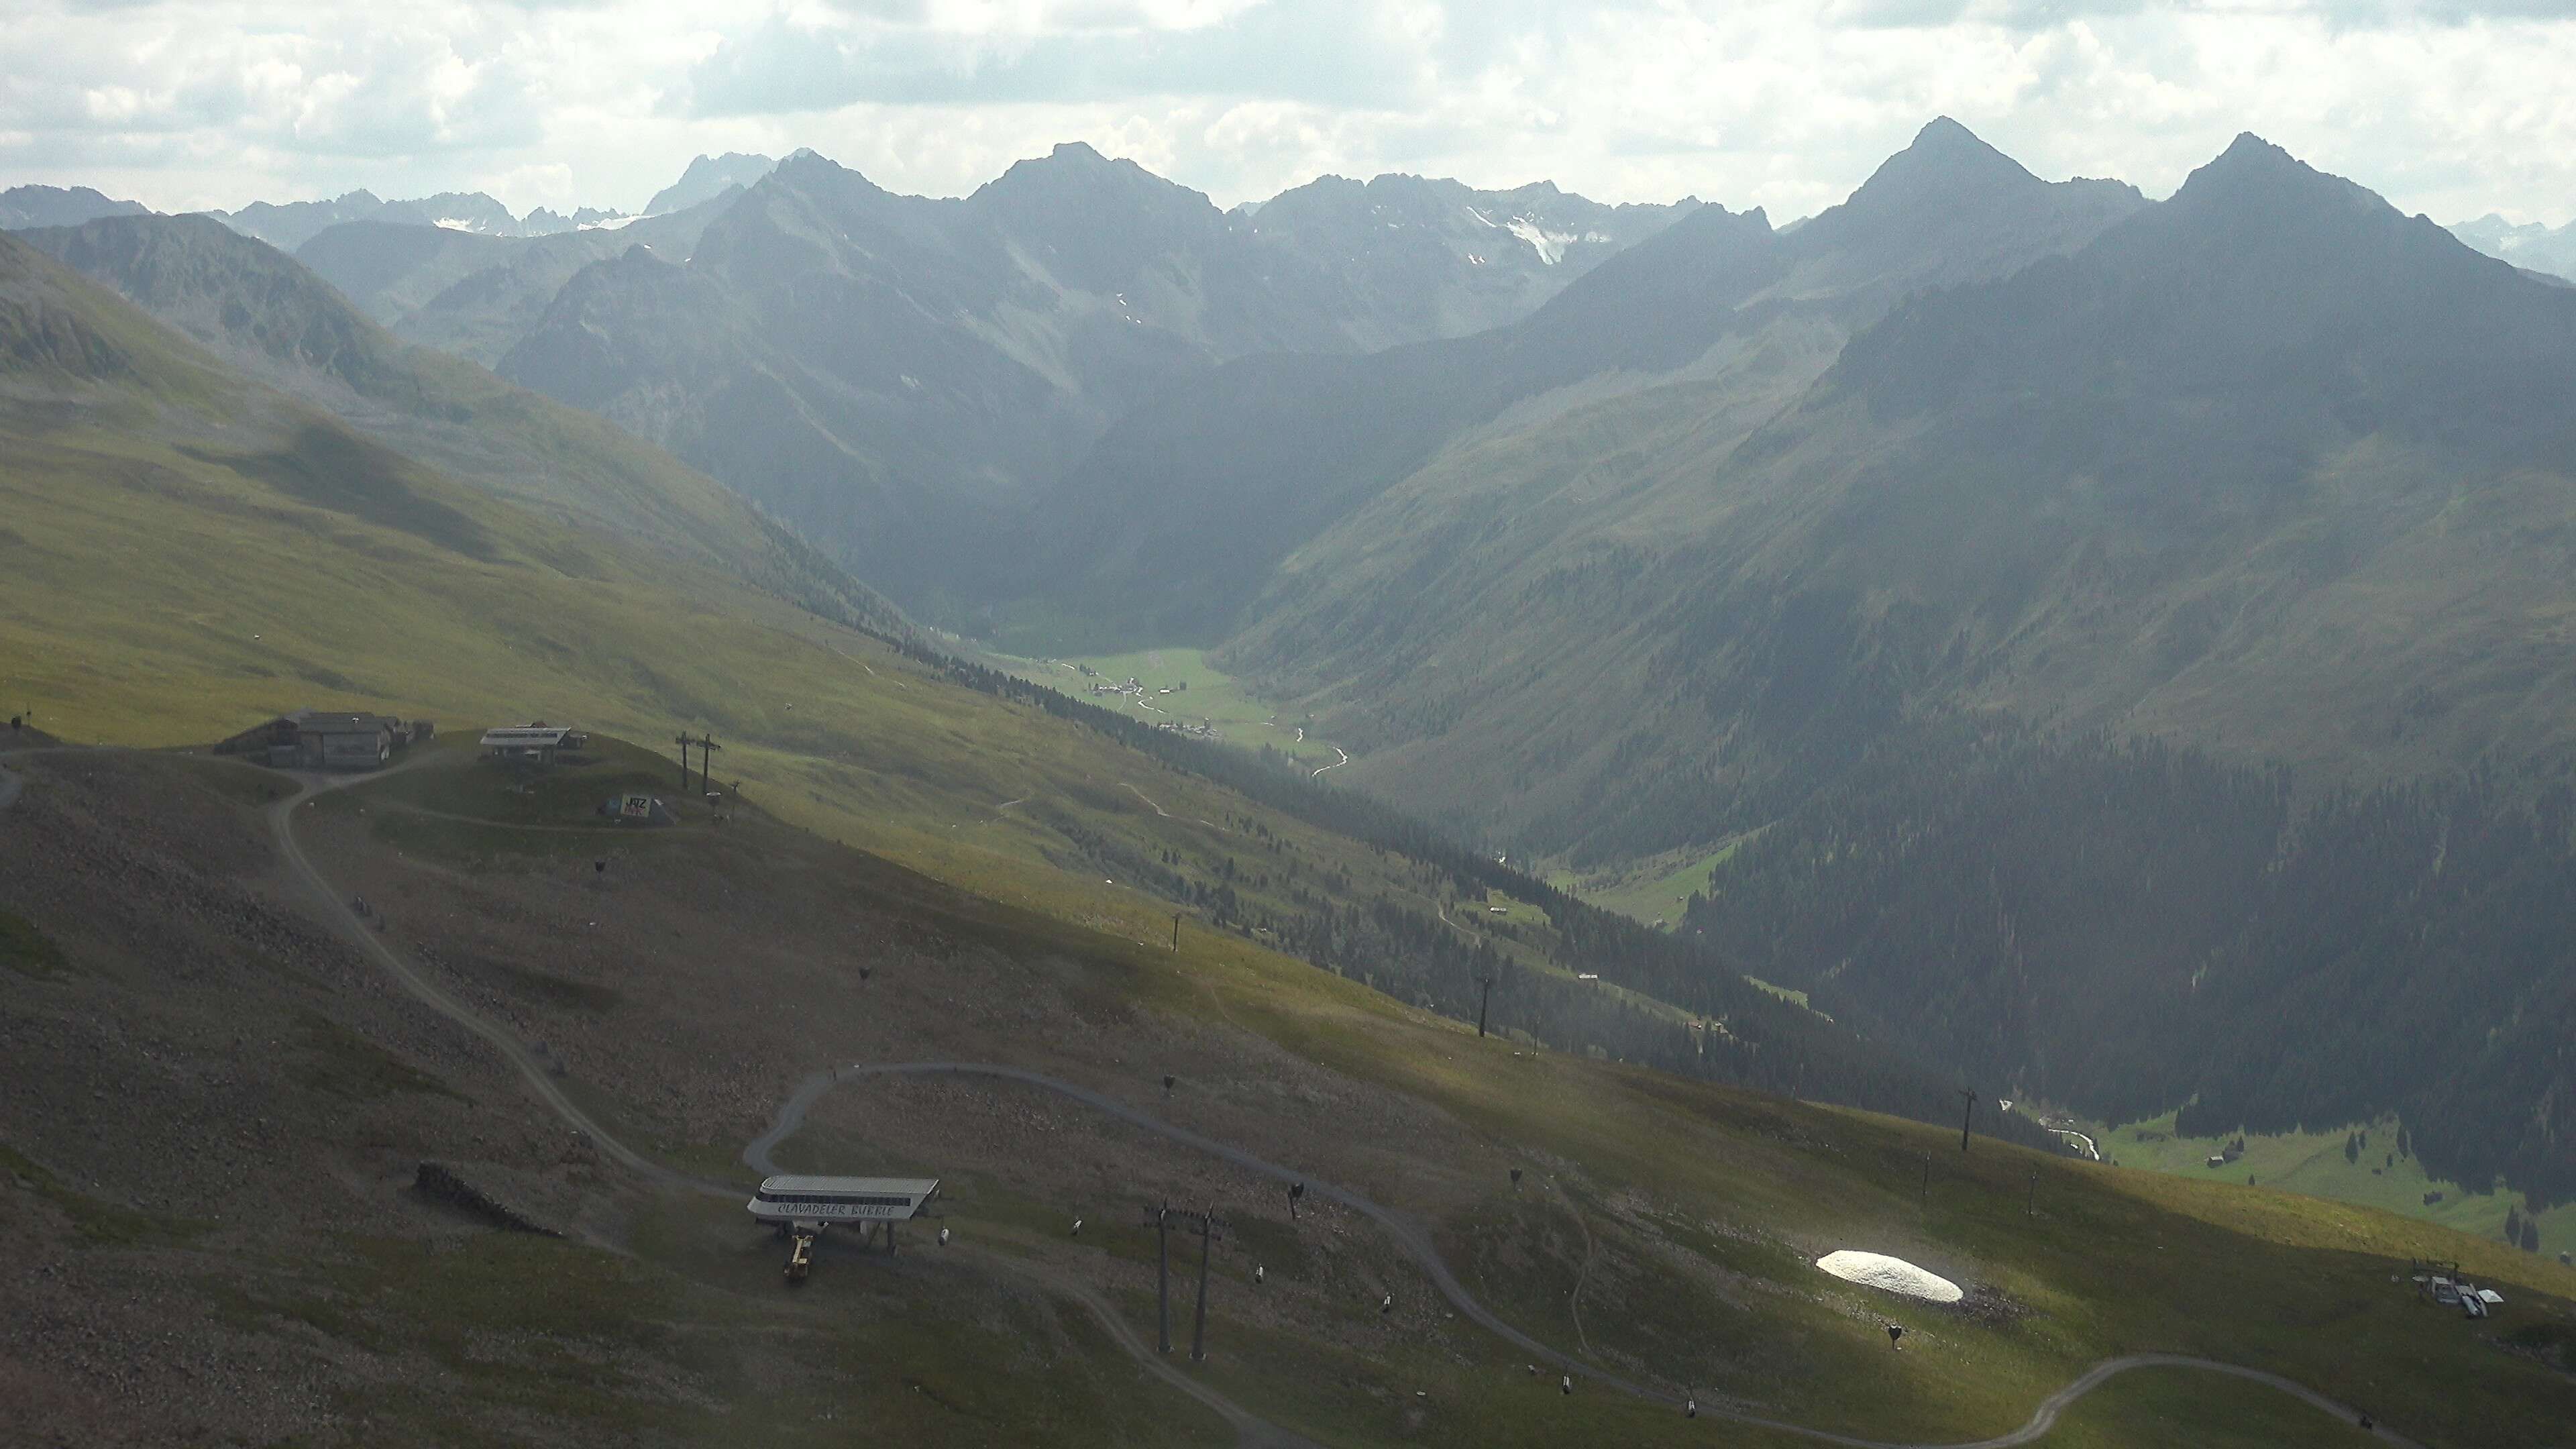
x,y
2124,927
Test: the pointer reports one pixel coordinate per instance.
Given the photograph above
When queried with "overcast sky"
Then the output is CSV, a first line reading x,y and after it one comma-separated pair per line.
x,y
2453,107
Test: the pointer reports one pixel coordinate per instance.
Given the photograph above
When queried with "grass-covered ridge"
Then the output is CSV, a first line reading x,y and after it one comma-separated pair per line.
x,y
266,316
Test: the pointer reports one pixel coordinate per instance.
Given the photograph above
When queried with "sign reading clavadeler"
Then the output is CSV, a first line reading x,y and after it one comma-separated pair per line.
x,y
830,1211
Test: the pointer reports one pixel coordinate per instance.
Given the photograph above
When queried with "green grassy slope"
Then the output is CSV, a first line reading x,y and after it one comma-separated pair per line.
x,y
2314,1163
1653,889
265,314
1212,697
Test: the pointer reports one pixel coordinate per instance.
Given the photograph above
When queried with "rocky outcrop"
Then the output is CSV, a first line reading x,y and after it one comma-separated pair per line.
x,y
440,1183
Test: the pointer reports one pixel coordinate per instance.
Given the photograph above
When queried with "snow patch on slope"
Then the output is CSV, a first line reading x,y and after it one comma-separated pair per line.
x,y
1892,1275
1550,245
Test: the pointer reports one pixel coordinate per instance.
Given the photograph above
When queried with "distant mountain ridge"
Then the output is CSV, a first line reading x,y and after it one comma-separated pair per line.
x,y
22,207
476,295
2532,244
290,225
899,374
1177,520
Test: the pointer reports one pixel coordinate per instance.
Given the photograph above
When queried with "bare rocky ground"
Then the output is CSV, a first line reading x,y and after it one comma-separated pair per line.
x,y
213,1112
698,980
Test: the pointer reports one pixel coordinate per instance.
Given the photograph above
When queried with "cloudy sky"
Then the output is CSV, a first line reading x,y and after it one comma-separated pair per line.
x,y
2453,107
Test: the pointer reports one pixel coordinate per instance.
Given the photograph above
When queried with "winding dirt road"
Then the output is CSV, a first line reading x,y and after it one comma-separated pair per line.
x,y
344,919
1406,1231
1252,1431
1417,1244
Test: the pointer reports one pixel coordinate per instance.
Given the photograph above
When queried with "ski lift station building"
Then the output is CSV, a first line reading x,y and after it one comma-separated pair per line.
x,y
809,1204
533,744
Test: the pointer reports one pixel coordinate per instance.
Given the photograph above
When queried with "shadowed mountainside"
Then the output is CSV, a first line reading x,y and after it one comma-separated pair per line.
x,y
1189,506
476,294
2266,471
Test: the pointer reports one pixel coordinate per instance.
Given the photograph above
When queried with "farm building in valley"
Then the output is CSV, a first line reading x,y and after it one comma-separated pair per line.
x,y
318,739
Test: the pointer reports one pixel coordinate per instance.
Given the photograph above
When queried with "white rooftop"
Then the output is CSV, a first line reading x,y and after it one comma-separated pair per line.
x,y
871,1186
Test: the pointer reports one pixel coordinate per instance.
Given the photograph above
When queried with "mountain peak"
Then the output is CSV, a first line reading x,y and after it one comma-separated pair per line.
x,y
805,164
2253,170
1073,172
1945,162
2249,151
1945,144
709,177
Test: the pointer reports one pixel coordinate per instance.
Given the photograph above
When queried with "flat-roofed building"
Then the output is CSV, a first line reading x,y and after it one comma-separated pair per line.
x,y
532,744
821,1201
348,741
802,1207
317,739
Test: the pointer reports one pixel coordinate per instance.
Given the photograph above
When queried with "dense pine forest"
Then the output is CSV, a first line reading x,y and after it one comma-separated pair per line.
x,y
2124,927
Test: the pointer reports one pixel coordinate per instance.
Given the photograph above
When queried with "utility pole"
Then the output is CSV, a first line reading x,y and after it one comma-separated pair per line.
x,y
1176,933
1162,1276
1198,1328
1483,1000
707,748
1209,1227
685,742
1970,1097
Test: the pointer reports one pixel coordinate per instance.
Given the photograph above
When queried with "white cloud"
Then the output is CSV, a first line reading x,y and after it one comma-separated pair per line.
x,y
2455,107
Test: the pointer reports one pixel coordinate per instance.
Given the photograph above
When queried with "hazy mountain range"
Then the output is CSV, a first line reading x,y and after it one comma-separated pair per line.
x,y
1603,532
904,375
289,225
1172,526
2531,244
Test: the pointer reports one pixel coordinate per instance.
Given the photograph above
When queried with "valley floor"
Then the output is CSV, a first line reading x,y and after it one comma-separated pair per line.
x,y
1211,699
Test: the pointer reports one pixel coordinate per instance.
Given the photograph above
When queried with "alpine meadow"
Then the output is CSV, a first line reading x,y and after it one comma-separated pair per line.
x,y
724,726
